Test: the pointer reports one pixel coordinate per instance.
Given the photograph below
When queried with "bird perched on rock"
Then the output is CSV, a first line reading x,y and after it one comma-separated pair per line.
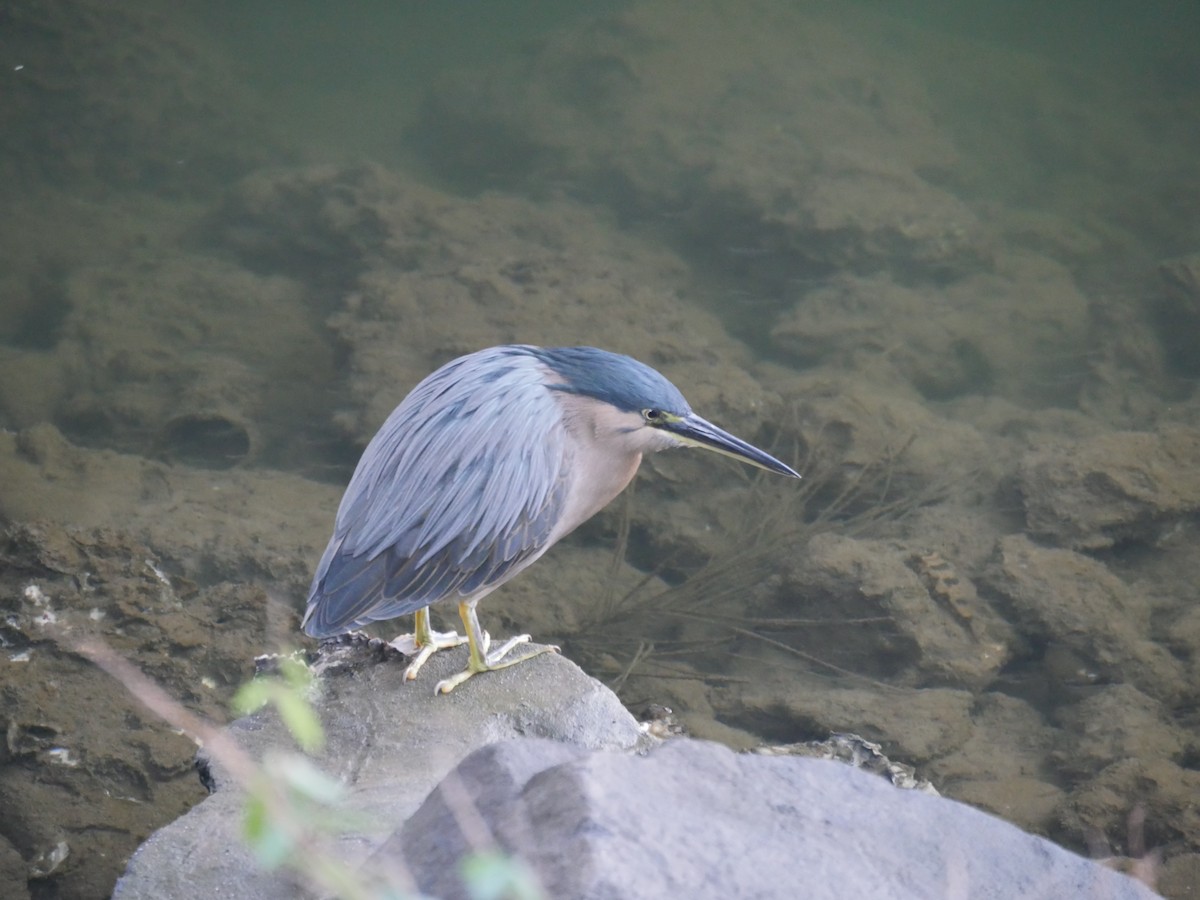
x,y
479,471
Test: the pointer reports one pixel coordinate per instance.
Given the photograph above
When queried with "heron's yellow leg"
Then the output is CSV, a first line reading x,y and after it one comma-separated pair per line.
x,y
424,642
482,658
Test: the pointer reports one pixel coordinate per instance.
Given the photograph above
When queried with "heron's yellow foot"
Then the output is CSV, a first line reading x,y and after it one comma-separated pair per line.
x,y
423,642
491,662
482,658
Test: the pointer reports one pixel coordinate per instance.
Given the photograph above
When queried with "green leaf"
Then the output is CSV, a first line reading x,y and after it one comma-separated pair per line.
x,y
253,696
298,675
254,820
301,776
273,847
270,844
496,876
301,720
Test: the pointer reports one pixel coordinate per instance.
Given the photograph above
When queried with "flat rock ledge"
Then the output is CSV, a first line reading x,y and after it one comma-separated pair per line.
x,y
562,776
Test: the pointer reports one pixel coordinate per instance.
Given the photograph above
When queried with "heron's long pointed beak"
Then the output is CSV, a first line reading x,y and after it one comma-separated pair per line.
x,y
698,432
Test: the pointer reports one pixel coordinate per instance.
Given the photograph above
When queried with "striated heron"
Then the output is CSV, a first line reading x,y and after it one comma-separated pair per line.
x,y
479,471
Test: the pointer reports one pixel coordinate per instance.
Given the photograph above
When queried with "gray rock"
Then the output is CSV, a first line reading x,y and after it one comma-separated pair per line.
x,y
693,819
534,760
391,742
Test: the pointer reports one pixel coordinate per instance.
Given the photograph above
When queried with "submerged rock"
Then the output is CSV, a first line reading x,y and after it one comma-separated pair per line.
x,y
1114,488
1074,603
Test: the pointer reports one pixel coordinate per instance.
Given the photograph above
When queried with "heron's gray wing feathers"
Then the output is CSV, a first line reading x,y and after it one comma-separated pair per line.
x,y
462,484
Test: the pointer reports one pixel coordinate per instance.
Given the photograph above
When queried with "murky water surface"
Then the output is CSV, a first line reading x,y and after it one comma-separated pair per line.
x,y
946,264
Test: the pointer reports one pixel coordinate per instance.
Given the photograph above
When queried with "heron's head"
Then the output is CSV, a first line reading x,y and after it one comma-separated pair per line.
x,y
650,409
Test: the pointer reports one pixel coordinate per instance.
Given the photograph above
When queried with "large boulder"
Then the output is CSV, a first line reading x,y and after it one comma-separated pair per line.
x,y
391,742
694,819
536,761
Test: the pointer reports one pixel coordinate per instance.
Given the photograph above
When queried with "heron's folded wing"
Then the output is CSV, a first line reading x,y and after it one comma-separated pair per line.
x,y
463,483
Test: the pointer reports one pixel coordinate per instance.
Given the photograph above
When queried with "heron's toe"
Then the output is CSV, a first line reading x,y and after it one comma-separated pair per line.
x,y
446,685
493,661
422,657
494,657
410,645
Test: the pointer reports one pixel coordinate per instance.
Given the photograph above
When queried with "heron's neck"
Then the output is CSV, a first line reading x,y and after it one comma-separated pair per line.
x,y
603,452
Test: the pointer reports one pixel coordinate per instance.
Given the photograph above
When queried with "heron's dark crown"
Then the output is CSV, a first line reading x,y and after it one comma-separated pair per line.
x,y
619,380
